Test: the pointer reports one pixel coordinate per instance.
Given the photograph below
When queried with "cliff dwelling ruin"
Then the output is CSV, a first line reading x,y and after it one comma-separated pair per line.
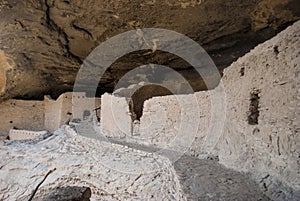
x,y
80,120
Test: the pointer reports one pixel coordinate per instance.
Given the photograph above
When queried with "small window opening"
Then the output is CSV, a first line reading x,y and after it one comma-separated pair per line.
x,y
253,113
242,71
276,51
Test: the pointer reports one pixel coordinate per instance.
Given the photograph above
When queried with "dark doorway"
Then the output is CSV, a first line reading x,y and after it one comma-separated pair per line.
x,y
141,95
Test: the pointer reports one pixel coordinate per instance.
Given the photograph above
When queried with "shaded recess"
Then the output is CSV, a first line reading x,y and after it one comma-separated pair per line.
x,y
141,95
253,113
48,40
136,59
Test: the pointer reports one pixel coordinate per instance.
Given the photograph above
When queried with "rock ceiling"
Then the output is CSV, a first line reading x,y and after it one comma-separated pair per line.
x,y
44,42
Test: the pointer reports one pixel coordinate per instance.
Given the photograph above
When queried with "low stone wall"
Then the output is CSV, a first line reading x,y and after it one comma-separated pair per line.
x,y
15,134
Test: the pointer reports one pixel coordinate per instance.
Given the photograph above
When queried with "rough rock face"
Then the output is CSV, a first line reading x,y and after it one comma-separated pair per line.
x,y
4,68
113,172
45,42
69,193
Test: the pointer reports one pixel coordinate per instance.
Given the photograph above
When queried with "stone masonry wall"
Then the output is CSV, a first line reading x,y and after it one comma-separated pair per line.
x,y
48,114
115,116
260,129
270,73
21,114
61,111
16,134
52,113
84,107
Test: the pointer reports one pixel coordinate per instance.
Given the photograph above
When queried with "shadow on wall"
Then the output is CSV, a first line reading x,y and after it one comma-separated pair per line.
x,y
141,95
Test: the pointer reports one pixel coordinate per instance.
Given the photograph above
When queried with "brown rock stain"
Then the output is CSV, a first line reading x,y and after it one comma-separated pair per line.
x,y
4,67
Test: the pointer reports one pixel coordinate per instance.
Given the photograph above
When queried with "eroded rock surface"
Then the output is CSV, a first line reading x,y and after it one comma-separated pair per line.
x,y
48,40
113,172
69,193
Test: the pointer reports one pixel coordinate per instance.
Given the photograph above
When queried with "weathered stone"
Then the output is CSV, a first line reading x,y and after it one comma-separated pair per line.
x,y
15,134
5,66
256,130
115,116
48,40
113,172
49,114
4,137
69,193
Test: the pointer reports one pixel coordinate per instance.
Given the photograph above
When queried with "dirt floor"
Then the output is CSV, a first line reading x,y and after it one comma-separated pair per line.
x,y
207,180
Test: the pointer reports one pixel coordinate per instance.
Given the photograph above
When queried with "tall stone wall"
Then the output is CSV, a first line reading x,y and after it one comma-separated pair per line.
x,y
58,112
52,113
115,116
48,114
69,106
83,107
261,129
262,125
258,130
